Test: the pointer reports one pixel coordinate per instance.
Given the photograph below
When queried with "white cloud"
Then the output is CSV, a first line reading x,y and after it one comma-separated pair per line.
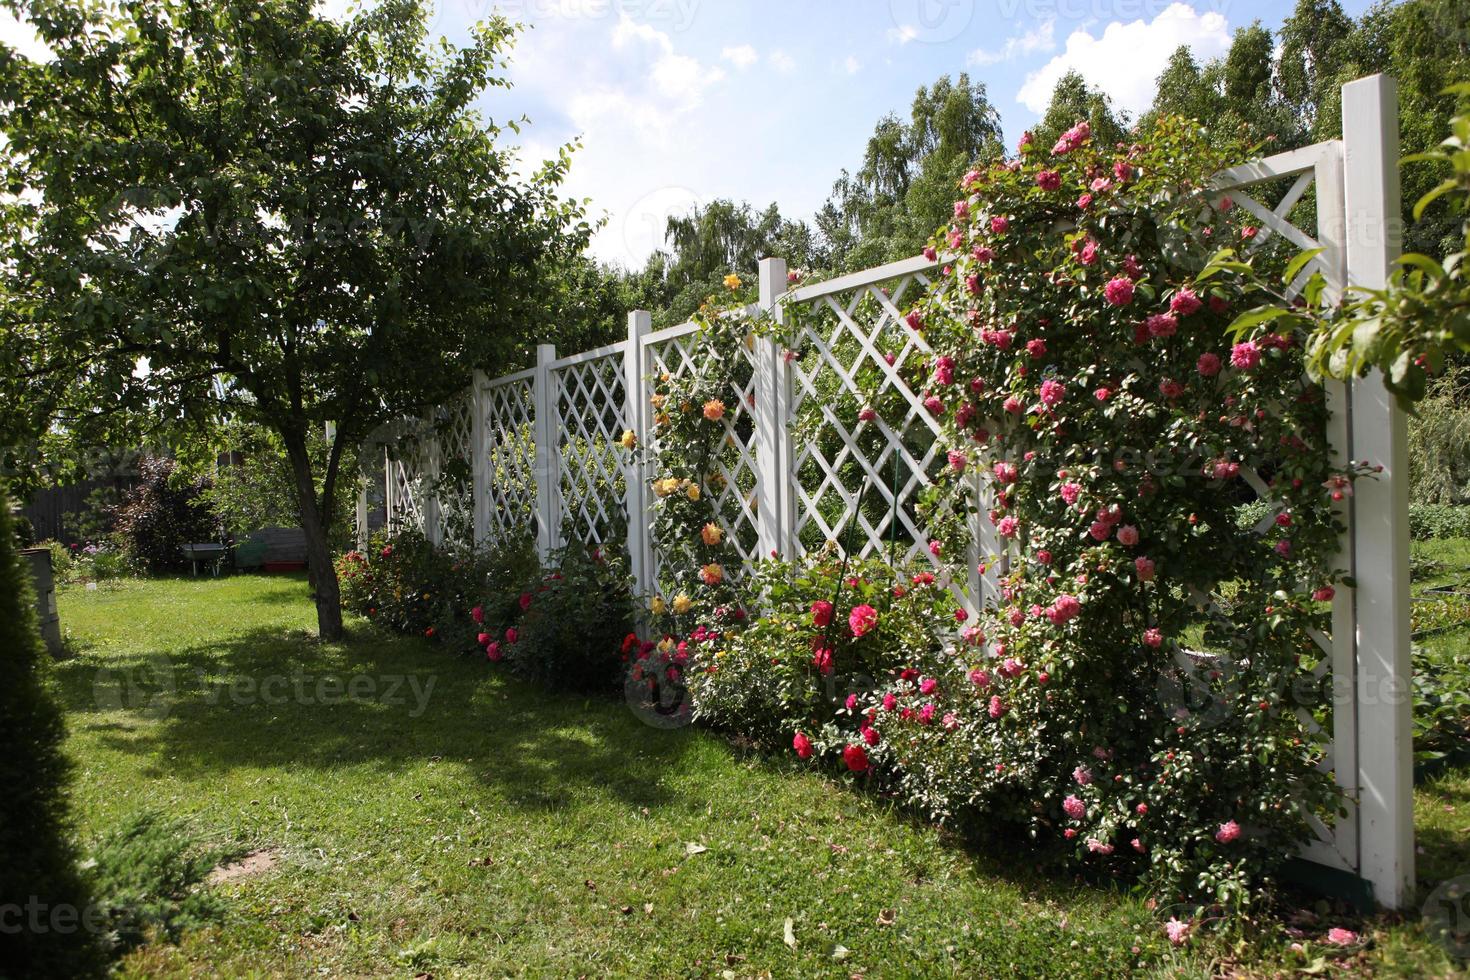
x,y
852,65
903,33
1126,61
1042,39
742,56
782,62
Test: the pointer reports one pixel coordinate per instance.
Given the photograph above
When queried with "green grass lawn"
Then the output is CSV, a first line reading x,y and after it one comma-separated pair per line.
x,y
449,820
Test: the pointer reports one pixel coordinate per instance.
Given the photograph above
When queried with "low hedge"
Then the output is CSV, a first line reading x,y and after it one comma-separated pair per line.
x,y
1439,521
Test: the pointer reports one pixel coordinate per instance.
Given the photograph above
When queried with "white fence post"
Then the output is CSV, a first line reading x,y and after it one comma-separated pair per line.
x,y
479,459
640,558
772,411
1370,130
548,455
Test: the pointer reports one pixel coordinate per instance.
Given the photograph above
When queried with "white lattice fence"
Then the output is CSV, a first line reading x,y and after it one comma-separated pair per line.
x,y
808,466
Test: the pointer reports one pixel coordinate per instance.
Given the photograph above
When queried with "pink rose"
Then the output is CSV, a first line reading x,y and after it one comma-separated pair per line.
x,y
1128,535
862,619
1052,392
1048,180
1007,527
983,254
957,460
1178,932
492,653
1074,807
1119,291
997,708
1100,530
1070,492
1082,775
1153,638
961,209
934,404
1065,608
478,614
1208,364
1184,302
1084,202
1005,472
1228,832
1245,355
1000,224
856,758
1013,405
867,413
821,614
870,735
1036,348
1145,568
1162,325
1341,937
980,678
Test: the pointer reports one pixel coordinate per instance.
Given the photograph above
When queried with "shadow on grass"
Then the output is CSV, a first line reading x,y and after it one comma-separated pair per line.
x,y
274,698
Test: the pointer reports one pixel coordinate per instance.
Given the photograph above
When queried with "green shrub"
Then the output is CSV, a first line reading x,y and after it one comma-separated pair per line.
x,y
39,860
1441,704
162,513
1439,442
148,875
573,622
1428,521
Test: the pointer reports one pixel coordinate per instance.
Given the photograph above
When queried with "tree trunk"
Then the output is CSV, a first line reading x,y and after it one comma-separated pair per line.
x,y
325,590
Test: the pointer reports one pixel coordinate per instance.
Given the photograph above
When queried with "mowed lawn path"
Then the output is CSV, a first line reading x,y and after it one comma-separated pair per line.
x,y
426,814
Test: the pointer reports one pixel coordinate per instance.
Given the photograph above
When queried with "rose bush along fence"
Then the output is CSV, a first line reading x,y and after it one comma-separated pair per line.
x,y
1072,319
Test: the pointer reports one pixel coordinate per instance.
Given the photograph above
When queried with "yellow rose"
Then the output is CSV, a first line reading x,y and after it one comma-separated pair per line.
x,y
629,440
693,491
712,574
711,534
658,400
657,605
682,604
732,282
666,645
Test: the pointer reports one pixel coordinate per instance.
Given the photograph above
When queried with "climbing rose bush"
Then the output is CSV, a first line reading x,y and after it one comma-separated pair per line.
x,y
1139,693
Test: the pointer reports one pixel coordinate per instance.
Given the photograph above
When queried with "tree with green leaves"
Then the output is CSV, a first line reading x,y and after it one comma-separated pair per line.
x,y
906,185
1073,100
246,209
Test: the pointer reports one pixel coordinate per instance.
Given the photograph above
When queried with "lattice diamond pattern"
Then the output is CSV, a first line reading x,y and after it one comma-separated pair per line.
x,y
849,472
735,501
510,450
591,412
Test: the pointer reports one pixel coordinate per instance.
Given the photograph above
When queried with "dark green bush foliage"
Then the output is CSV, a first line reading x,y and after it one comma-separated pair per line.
x,y
1441,704
562,625
163,512
147,875
38,863
574,622
1438,521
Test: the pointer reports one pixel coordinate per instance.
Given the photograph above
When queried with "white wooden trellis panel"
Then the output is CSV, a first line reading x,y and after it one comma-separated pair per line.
x,y
508,457
589,399
736,501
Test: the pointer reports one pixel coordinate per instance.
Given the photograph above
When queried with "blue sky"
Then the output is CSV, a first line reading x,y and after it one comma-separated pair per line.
x,y
679,102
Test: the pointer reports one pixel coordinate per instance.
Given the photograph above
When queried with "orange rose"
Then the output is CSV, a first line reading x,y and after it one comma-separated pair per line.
x,y
711,534
714,409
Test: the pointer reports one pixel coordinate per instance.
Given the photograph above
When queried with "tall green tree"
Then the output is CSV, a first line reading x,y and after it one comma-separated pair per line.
x,y
243,208
906,185
1073,100
1309,70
